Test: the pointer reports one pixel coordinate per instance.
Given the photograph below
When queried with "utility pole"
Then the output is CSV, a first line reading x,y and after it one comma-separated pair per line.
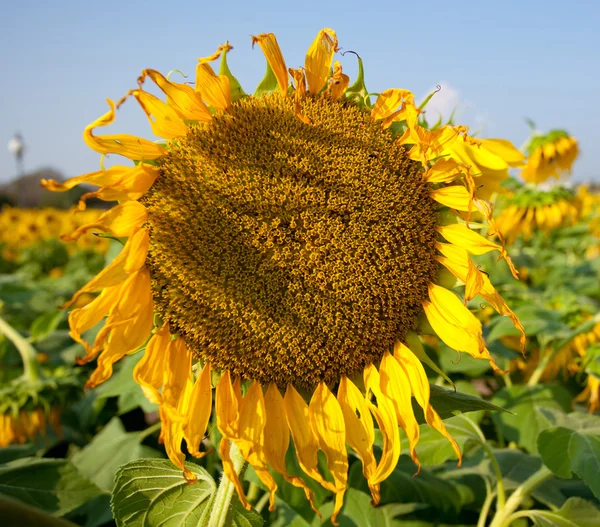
x,y
16,146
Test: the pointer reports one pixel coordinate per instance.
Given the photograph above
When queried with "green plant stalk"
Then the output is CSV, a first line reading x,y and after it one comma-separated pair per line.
x,y
222,504
503,516
495,466
539,369
485,508
31,368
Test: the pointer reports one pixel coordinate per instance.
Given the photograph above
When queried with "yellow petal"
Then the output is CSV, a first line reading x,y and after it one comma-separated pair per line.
x,y
385,414
126,145
129,260
270,47
198,412
338,82
444,170
163,119
122,220
214,89
396,386
182,98
277,440
299,93
505,150
455,324
305,441
318,59
177,376
387,104
360,432
327,421
420,389
85,318
148,372
455,197
130,322
172,435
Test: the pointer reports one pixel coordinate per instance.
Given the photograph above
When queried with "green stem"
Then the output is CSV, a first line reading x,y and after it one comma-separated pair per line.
x,y
260,504
493,460
503,516
485,508
222,504
539,370
31,369
149,431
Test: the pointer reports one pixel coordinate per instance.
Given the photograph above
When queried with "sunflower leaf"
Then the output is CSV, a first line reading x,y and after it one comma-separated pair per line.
x,y
154,492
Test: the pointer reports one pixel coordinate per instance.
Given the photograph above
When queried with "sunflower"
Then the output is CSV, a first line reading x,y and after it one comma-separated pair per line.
x,y
284,248
550,156
528,210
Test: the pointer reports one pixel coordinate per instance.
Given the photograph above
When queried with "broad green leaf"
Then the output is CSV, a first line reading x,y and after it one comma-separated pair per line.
x,y
526,420
240,517
45,324
435,449
358,512
573,448
12,452
574,513
152,492
111,448
53,485
448,403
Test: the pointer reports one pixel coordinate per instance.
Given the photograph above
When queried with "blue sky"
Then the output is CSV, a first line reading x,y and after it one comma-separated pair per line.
x,y
501,61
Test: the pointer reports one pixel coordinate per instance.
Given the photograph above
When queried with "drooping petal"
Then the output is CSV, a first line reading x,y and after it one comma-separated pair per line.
x,y
269,46
121,220
198,413
385,415
126,145
305,441
319,58
299,93
148,372
182,98
360,432
327,421
386,107
396,386
420,389
214,89
444,170
277,440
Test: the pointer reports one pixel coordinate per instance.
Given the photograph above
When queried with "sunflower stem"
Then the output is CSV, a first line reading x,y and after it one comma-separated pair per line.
x,y
31,368
503,515
222,504
539,370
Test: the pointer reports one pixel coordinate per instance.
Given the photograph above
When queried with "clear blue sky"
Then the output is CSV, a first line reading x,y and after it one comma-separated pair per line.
x,y
502,61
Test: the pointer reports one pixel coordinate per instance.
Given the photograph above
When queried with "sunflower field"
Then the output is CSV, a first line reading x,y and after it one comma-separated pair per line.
x,y
305,305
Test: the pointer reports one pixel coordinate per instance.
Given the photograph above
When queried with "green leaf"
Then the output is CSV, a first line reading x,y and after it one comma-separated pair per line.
x,y
15,513
53,485
448,403
240,517
152,492
45,324
573,449
526,420
574,513
111,448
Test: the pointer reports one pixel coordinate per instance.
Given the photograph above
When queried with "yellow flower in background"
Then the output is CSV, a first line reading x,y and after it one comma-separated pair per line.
x,y
528,210
23,425
291,244
20,228
550,156
491,160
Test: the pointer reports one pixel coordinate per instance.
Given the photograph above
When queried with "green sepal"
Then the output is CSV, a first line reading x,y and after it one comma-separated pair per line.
x,y
268,84
428,98
416,346
358,91
237,92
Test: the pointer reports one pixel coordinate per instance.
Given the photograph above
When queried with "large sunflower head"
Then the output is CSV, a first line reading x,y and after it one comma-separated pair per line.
x,y
296,243
550,155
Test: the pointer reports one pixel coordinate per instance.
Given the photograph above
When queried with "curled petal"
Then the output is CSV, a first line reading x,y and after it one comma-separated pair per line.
x,y
214,89
126,145
182,98
318,59
269,46
455,197
338,82
163,119
299,93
